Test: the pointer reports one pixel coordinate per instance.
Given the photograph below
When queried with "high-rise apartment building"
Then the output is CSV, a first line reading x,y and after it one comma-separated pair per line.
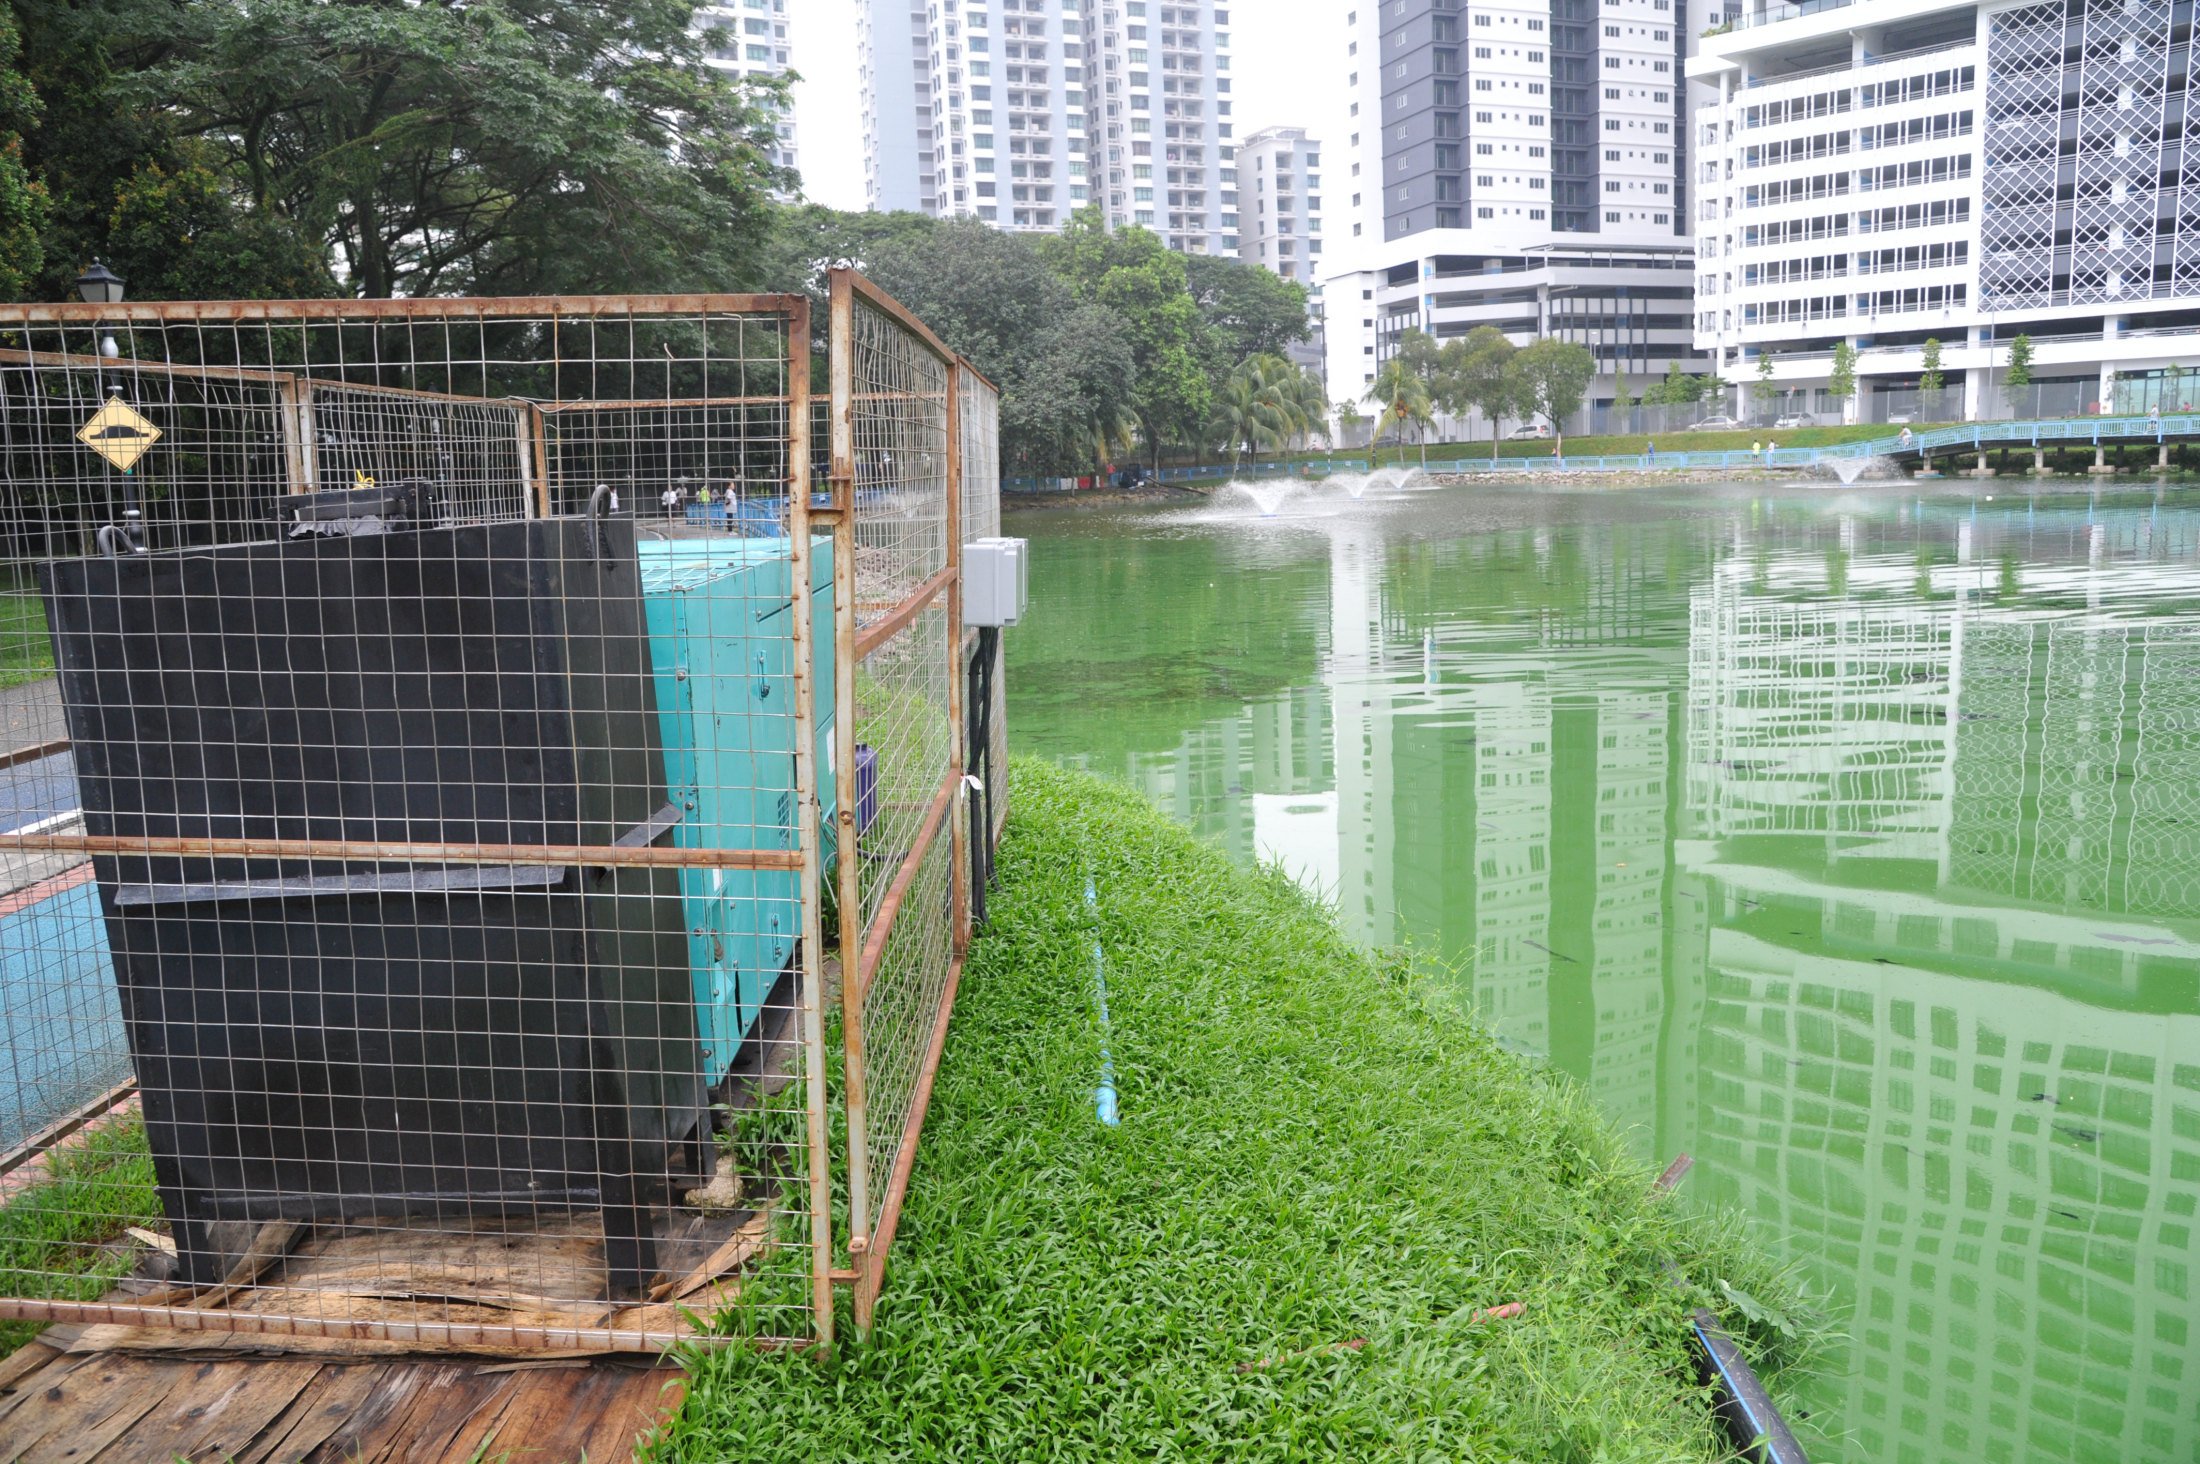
x,y
1279,182
1892,172
1022,112
1279,173
1520,164
749,38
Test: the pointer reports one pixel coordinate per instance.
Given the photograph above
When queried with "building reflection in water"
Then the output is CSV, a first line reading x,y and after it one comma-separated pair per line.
x,y
1860,859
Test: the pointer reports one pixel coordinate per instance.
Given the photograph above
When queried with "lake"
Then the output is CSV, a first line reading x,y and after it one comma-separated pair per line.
x,y
1846,839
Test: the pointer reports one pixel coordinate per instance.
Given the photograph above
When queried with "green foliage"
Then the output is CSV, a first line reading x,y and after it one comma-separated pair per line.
x,y
1764,391
1553,374
24,204
1622,399
1266,404
1478,373
55,1234
2018,375
516,146
1246,311
1676,388
1134,277
1309,1155
1841,381
1402,395
1929,378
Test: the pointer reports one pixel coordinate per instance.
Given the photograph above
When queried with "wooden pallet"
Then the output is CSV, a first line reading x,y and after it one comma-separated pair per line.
x,y
59,1406
546,1274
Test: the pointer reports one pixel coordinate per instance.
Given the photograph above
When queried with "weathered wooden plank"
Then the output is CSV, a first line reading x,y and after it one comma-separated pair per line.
x,y
73,1418
413,1416
217,1411
334,1397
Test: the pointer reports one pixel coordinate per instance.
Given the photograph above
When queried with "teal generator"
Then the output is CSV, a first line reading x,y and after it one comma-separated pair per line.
x,y
720,616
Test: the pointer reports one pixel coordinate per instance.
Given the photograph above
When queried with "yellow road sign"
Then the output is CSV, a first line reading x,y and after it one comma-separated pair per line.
x,y
118,434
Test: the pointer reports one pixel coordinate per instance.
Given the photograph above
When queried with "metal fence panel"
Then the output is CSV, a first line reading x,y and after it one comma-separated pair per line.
x,y
436,870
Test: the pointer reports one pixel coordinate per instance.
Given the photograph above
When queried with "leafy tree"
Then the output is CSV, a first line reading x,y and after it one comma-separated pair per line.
x,y
1675,389
498,146
1929,378
1350,419
1622,401
1841,381
1478,373
2018,376
1553,375
1764,391
1245,310
1133,276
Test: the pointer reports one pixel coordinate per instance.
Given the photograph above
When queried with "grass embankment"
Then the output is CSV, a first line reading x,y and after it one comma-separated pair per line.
x,y
1309,1155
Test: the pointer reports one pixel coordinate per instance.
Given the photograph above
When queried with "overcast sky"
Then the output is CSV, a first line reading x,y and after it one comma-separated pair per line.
x,y
1287,58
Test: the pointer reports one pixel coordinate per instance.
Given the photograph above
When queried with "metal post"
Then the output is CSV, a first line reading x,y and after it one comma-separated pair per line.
x,y
806,804
958,828
850,866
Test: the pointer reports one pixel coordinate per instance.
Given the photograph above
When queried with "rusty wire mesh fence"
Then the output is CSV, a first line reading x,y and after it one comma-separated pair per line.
x,y
457,778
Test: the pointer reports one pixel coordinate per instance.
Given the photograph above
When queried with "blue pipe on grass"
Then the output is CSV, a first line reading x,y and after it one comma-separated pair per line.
x,y
1104,1100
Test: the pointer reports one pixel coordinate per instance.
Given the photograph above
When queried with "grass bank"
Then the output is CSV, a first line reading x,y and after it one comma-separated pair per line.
x,y
1309,1155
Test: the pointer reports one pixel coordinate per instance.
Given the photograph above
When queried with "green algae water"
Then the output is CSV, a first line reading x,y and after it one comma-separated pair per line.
x,y
1847,839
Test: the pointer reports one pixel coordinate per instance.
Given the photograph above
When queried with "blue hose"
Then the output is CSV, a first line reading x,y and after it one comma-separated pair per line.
x,y
1104,1098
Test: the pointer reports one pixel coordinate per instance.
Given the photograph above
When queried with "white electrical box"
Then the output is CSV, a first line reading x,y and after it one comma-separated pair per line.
x,y
996,581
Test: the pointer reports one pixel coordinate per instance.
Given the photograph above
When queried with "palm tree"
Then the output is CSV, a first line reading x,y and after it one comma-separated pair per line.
x,y
1403,395
1248,411
1309,402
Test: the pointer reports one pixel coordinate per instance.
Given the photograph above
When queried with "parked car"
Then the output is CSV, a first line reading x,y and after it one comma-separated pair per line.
x,y
1717,424
1528,430
1899,419
1793,420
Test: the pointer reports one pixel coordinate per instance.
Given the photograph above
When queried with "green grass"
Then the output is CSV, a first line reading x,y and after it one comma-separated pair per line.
x,y
54,1234
1310,1154
26,652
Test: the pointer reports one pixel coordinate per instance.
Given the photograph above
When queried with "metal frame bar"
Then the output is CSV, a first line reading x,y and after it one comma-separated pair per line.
x,y
905,875
371,850
76,312
448,1334
847,653
807,815
878,632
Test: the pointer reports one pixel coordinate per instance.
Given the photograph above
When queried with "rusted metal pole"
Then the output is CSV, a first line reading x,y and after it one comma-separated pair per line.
x,y
809,836
882,630
847,652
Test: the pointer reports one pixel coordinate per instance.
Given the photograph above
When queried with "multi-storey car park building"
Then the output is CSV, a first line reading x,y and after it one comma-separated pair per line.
x,y
1022,112
1891,171
1522,164
749,38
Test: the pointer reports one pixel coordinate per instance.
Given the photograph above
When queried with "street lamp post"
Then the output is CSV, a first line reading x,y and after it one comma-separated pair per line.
x,y
100,285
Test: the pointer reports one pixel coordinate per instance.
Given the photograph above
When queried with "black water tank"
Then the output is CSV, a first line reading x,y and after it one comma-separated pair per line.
x,y
354,1040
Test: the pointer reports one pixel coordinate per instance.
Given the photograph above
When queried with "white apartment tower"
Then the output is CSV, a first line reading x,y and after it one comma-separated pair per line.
x,y
1885,173
1022,112
1521,164
749,38
1279,171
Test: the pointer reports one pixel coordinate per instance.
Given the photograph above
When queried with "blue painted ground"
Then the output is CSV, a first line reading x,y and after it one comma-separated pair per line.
x,y
61,1037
